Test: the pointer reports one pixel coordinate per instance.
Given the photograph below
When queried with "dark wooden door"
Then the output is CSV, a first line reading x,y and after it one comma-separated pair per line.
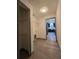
x,y
24,37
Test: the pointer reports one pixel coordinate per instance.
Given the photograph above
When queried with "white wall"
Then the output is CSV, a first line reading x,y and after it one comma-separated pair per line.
x,y
33,31
41,33
58,23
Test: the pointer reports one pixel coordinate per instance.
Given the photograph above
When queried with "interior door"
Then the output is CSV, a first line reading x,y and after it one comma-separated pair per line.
x,y
24,37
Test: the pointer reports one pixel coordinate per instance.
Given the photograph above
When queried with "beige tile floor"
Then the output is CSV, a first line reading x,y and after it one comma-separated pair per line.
x,y
51,36
45,49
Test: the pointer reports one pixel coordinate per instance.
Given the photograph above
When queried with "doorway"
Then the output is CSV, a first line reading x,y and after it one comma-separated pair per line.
x,y
51,29
23,31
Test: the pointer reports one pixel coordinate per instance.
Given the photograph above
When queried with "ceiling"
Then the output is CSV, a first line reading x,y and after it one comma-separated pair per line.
x,y
38,4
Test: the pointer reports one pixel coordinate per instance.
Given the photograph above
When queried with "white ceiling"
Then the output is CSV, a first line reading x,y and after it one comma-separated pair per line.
x,y
38,4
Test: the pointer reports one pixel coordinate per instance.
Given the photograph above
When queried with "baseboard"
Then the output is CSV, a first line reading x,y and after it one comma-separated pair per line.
x,y
41,38
58,45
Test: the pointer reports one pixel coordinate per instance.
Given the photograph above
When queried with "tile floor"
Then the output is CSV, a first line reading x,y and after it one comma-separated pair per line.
x,y
51,36
45,49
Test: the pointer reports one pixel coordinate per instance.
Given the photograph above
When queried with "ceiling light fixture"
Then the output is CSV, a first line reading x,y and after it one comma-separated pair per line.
x,y
43,10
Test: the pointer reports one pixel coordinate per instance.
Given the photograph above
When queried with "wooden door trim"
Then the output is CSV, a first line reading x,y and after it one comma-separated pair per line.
x,y
19,3
23,6
55,26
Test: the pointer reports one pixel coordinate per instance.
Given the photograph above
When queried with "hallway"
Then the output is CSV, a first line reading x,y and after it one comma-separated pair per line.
x,y
32,16
45,49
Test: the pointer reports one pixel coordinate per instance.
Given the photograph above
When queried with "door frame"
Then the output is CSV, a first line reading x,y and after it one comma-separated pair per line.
x,y
19,3
55,27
